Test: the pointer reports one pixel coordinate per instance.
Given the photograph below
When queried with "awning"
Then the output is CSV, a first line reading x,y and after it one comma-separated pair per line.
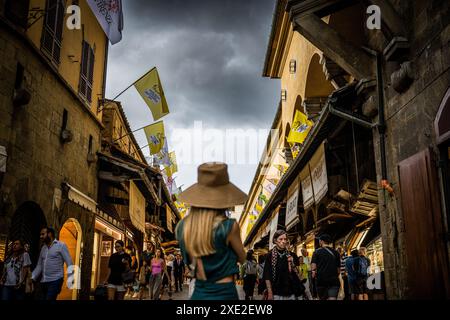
x,y
81,199
138,171
329,120
173,243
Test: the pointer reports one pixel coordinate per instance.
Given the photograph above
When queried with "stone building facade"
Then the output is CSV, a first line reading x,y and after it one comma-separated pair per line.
x,y
401,72
49,129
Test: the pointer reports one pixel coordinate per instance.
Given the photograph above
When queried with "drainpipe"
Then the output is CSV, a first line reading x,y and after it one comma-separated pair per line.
x,y
381,120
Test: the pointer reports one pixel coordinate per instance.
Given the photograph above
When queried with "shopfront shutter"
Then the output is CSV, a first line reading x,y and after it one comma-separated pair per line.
x,y
428,271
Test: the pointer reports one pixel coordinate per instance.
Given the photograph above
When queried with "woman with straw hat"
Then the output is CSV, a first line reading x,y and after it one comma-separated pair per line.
x,y
209,241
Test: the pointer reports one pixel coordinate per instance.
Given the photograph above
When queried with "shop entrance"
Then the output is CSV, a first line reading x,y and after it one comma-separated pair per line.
x,y
71,235
26,225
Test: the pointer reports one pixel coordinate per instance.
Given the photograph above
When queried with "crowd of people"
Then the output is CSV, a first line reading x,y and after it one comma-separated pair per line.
x,y
155,275
211,254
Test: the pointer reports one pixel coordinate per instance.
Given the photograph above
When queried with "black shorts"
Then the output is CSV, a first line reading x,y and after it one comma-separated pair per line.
x,y
353,287
328,292
362,285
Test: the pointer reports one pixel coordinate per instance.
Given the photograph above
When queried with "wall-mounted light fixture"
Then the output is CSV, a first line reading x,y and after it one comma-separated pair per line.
x,y
292,66
283,95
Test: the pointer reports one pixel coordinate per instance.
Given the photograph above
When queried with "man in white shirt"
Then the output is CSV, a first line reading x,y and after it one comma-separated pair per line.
x,y
50,265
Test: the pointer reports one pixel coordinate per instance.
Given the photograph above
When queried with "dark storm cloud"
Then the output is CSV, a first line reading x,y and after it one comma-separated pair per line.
x,y
209,55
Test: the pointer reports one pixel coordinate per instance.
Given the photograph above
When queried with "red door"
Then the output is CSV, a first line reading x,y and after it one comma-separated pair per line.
x,y
428,270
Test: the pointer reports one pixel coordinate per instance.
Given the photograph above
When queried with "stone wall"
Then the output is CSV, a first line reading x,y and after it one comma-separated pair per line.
x,y
38,162
409,119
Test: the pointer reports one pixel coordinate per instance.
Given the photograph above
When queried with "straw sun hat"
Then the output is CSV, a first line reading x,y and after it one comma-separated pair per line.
x,y
213,189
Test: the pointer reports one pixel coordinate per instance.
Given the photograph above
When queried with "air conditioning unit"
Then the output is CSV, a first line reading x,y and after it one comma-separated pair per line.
x,y
21,97
66,136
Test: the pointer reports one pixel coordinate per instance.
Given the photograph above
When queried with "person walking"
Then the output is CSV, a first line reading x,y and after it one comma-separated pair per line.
x,y
343,290
260,274
351,275
133,267
143,280
250,270
326,266
361,266
158,269
209,240
119,263
50,265
15,273
178,272
280,270
303,271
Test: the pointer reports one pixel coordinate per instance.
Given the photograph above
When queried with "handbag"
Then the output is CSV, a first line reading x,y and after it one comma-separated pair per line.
x,y
101,293
128,276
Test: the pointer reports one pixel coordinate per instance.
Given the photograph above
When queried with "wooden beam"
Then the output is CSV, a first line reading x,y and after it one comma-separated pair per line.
x,y
352,59
104,175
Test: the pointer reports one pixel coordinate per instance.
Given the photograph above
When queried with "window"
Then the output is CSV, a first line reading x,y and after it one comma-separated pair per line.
x,y
19,76
65,118
90,144
87,72
53,28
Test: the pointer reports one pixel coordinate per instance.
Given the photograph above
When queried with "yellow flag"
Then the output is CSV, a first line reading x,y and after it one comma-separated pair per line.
x,y
173,162
300,128
150,89
155,136
173,168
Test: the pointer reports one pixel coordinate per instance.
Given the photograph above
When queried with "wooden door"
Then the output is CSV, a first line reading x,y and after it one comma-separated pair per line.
x,y
428,271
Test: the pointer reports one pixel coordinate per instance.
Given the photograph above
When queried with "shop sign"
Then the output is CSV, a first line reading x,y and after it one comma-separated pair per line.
x,y
137,207
273,229
319,178
292,209
314,179
307,191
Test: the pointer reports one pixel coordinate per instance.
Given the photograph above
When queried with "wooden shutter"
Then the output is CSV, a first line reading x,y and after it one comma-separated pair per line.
x,y
90,75
428,270
87,72
53,28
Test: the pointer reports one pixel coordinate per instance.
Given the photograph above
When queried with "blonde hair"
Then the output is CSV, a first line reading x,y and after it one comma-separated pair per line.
x,y
198,230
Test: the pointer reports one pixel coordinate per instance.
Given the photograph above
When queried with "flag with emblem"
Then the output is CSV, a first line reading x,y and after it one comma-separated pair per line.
x,y
150,89
300,128
155,136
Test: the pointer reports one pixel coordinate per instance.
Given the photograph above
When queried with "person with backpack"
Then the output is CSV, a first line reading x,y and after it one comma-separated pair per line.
x,y
361,266
326,267
249,275
351,274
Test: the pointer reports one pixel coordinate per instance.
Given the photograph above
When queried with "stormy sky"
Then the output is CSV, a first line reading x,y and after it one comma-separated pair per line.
x,y
210,56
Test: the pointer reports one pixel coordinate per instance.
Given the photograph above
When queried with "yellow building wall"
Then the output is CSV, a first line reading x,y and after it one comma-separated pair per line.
x,y
70,59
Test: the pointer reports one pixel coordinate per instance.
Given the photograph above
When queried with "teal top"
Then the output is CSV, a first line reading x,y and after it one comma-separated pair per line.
x,y
223,262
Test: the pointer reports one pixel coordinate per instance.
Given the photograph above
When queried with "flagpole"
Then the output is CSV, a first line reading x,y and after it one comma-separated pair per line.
x,y
123,91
